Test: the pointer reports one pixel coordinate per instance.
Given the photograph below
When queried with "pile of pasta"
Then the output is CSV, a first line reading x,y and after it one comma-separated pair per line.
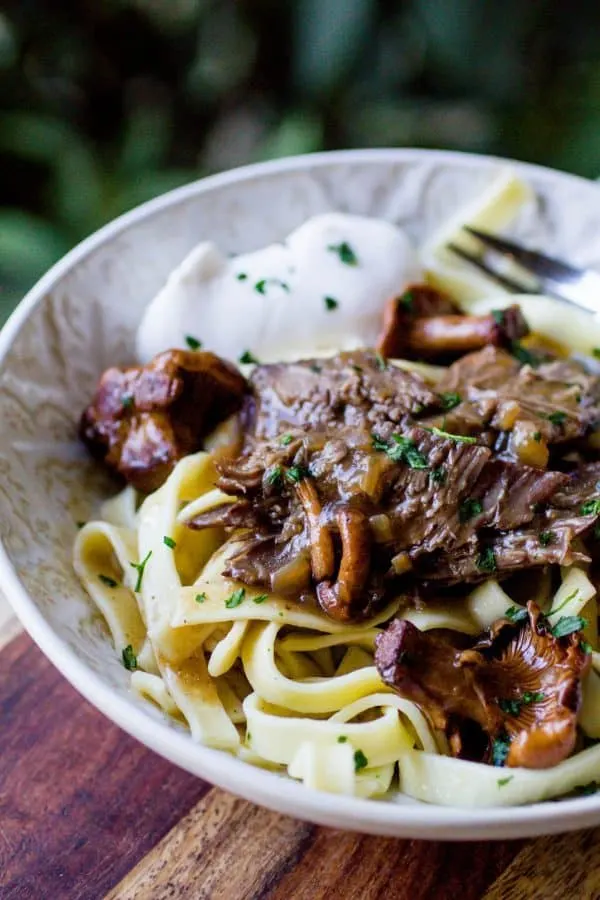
x,y
280,684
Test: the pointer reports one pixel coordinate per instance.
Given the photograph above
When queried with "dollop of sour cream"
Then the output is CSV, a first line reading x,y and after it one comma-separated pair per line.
x,y
322,289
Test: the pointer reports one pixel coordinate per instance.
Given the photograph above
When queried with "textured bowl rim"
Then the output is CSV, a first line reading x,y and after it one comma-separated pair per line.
x,y
268,789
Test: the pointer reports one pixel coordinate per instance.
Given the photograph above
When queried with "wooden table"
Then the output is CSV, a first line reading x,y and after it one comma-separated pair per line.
x,y
86,813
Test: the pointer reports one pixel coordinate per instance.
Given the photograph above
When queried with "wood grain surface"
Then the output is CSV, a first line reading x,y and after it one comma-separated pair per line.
x,y
87,813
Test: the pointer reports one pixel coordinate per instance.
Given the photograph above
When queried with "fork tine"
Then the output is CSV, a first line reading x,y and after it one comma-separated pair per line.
x,y
537,263
504,280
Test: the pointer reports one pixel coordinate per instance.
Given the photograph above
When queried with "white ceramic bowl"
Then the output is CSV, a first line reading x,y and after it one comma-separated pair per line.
x,y
81,317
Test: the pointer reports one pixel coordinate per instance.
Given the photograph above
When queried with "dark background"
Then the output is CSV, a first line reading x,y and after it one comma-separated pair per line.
x,y
106,103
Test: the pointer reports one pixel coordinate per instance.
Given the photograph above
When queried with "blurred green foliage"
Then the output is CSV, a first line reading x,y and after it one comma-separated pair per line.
x,y
106,103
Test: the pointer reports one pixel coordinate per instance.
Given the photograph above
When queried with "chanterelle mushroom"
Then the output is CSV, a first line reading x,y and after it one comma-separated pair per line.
x,y
521,685
143,419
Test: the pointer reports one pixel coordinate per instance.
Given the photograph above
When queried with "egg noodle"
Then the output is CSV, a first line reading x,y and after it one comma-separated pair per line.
x,y
279,683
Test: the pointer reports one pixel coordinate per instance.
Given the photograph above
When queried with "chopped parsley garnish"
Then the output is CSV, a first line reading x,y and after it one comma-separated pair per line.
x,y
342,739
297,473
169,542
139,567
192,342
459,438
516,614
503,781
439,475
129,658
200,598
500,748
567,625
557,418
468,509
533,697
585,790
512,706
108,581
401,449
360,761
524,356
286,439
585,647
591,508
450,400
345,253
407,300
274,475
357,369
80,523
241,276
547,538
486,561
537,436
381,362
596,352
127,401
260,598
330,303
261,286
247,358
315,368
236,598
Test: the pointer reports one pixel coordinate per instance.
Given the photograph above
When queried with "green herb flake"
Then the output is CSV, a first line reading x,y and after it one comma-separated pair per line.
x,y
127,401
567,625
295,474
108,581
557,418
547,538
585,647
260,598
500,748
242,276
261,286
129,658
169,542
247,358
498,316
236,598
380,362
537,436
345,253
585,790
407,300
139,567
360,761
511,707
450,400
533,697
486,561
315,368
200,598
80,523
330,303
459,438
342,739
591,508
524,356
401,449
286,439
516,614
192,342
468,509
274,476
503,781
439,475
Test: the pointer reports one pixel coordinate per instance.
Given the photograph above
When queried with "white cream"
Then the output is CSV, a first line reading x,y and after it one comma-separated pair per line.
x,y
272,302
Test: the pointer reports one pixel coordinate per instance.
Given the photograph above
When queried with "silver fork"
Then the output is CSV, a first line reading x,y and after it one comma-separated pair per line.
x,y
542,274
